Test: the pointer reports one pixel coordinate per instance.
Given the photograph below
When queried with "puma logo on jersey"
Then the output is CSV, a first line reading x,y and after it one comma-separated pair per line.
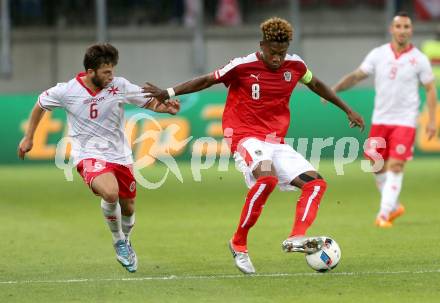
x,y
256,77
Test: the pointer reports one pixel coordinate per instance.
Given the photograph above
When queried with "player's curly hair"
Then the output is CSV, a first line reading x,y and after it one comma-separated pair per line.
x,y
276,30
98,54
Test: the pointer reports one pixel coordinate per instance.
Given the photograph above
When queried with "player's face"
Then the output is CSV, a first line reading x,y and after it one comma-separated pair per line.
x,y
103,76
274,53
401,30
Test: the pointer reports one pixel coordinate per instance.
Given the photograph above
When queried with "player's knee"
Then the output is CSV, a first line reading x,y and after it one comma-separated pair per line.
x,y
308,177
396,167
270,181
264,169
318,185
110,195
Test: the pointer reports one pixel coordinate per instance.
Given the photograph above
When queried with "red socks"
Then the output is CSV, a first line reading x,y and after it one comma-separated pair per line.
x,y
255,200
307,206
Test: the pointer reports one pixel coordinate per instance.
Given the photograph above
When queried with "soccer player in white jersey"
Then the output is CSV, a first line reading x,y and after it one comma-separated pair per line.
x,y
398,68
94,102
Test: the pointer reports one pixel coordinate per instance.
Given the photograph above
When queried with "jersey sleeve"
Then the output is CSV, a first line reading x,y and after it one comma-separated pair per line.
x,y
132,94
53,97
368,66
307,77
227,73
425,74
306,74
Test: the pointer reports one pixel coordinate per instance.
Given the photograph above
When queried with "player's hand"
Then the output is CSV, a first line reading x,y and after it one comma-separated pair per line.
x,y
160,94
173,106
356,120
24,147
431,129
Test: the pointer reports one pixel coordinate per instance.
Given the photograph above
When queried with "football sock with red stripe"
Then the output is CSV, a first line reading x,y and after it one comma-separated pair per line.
x,y
127,223
307,206
112,215
255,200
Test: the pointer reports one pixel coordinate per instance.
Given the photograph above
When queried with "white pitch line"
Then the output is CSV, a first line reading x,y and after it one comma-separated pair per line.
x,y
219,277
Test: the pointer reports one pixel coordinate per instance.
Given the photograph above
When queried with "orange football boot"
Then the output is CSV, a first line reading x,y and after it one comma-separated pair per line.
x,y
383,223
397,213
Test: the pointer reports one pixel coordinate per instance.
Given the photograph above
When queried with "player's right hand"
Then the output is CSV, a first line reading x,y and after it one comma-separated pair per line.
x,y
160,94
25,146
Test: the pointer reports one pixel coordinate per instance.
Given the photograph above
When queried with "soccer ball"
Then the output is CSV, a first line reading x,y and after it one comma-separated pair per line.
x,y
326,258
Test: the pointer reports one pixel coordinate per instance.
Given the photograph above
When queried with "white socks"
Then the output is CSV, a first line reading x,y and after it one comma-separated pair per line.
x,y
127,225
390,193
112,215
380,180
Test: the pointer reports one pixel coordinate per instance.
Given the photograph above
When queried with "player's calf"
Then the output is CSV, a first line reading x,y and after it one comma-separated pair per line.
x,y
308,205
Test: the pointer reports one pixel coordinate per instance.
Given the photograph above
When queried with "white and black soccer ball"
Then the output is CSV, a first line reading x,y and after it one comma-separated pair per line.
x,y
326,258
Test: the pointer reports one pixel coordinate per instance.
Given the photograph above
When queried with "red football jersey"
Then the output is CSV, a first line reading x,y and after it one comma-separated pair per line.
x,y
258,98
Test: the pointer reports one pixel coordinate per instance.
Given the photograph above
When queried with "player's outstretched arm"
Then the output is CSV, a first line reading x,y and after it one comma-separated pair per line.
x,y
187,87
431,102
350,80
171,107
28,140
325,92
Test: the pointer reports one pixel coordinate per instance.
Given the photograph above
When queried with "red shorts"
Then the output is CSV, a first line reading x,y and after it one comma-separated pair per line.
x,y
89,169
390,141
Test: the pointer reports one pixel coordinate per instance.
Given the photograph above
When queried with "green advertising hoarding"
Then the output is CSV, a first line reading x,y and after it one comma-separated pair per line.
x,y
200,117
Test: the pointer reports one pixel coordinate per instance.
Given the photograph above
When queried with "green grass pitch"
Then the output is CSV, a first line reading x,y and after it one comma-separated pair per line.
x,y
55,246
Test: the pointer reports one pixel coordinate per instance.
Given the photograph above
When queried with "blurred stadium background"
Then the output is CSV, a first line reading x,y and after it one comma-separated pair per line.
x,y
166,42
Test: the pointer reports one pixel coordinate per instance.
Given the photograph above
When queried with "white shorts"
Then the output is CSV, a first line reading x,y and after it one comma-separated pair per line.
x,y
287,162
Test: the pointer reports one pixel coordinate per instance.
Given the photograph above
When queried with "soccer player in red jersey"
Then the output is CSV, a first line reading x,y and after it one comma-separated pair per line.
x,y
258,116
94,102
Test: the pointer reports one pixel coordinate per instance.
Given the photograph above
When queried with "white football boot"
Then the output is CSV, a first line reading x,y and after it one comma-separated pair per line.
x,y
134,265
242,260
122,253
303,244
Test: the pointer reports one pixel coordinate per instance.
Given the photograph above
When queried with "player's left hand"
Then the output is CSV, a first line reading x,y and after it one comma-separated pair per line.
x,y
356,120
160,94
431,129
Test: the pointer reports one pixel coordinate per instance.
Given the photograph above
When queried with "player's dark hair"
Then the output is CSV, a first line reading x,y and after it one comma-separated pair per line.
x,y
98,54
276,30
402,14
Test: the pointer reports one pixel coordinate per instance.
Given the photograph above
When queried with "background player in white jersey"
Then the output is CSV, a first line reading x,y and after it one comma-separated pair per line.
x,y
398,68
94,104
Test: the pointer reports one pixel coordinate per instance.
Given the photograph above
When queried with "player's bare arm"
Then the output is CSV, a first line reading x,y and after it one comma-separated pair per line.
x,y
431,101
171,107
194,85
318,87
350,80
27,142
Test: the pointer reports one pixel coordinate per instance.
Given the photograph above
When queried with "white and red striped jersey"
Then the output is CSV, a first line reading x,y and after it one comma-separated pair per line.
x,y
95,120
396,80
258,98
